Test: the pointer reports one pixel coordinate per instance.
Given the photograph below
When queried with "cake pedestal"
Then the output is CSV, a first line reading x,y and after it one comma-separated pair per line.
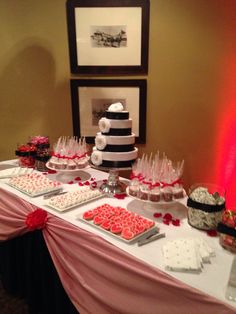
x,y
113,185
66,175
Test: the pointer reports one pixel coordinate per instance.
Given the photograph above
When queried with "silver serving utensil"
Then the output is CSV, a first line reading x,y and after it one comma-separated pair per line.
x,y
151,238
54,193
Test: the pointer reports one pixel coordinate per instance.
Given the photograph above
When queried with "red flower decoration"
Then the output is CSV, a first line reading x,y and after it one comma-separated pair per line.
x,y
86,183
36,219
80,184
92,179
70,182
120,196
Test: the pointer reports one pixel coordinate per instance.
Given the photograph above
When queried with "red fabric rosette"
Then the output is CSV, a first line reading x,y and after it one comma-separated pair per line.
x,y
36,219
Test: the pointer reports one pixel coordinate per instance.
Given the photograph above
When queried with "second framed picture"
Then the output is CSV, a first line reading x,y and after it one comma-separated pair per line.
x,y
108,36
91,98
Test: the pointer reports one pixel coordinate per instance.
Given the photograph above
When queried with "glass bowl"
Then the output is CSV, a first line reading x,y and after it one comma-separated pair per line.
x,y
206,203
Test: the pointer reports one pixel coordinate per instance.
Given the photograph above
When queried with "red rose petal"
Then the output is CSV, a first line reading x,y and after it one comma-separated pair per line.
x,y
167,216
52,171
105,180
86,183
166,221
80,184
120,196
176,222
212,233
157,215
77,179
94,184
92,179
70,182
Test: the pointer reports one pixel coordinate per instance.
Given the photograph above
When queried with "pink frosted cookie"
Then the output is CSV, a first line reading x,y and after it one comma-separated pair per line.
x,y
106,225
127,233
99,219
116,228
88,215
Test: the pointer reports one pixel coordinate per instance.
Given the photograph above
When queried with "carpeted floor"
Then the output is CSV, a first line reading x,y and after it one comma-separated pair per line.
x,y
11,305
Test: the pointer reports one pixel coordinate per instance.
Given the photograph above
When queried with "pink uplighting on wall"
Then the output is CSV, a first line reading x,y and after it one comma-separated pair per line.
x,y
226,129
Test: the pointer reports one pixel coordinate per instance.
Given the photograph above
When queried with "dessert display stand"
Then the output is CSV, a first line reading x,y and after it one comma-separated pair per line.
x,y
113,185
175,206
65,175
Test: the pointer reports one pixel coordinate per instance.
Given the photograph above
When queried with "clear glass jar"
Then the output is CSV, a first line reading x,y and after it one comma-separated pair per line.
x,y
42,156
227,230
206,203
228,242
27,161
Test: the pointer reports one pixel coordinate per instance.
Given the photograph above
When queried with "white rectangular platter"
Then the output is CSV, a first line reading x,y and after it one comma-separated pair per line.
x,y
75,205
145,234
14,172
36,194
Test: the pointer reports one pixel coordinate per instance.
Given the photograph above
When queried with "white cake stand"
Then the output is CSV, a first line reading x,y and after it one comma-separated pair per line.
x,y
113,185
65,175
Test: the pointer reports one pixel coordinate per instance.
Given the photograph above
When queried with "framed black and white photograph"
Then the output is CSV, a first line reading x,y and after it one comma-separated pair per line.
x,y
108,36
91,98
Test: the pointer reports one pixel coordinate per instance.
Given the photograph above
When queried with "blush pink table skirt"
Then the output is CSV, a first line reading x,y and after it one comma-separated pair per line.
x,y
99,277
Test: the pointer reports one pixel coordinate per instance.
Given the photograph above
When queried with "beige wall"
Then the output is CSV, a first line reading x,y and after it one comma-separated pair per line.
x,y
189,44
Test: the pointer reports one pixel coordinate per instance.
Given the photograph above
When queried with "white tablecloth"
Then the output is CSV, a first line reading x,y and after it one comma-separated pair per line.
x,y
214,276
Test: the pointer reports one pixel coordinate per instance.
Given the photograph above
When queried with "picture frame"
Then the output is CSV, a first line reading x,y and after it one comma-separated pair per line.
x,y
108,37
90,99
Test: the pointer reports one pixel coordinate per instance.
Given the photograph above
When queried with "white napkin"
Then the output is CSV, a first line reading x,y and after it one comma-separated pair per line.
x,y
186,254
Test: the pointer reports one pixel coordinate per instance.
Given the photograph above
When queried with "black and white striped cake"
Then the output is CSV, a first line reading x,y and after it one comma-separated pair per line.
x,y
114,144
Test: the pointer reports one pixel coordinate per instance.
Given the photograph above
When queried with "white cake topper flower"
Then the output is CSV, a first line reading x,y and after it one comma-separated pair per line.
x,y
104,125
116,107
100,142
96,158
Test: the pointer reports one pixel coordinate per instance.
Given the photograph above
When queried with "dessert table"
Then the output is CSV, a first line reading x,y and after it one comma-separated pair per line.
x,y
101,274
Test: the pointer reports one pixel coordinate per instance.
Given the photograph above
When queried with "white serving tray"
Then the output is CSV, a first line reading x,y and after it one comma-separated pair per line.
x,y
14,172
75,205
140,236
36,194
